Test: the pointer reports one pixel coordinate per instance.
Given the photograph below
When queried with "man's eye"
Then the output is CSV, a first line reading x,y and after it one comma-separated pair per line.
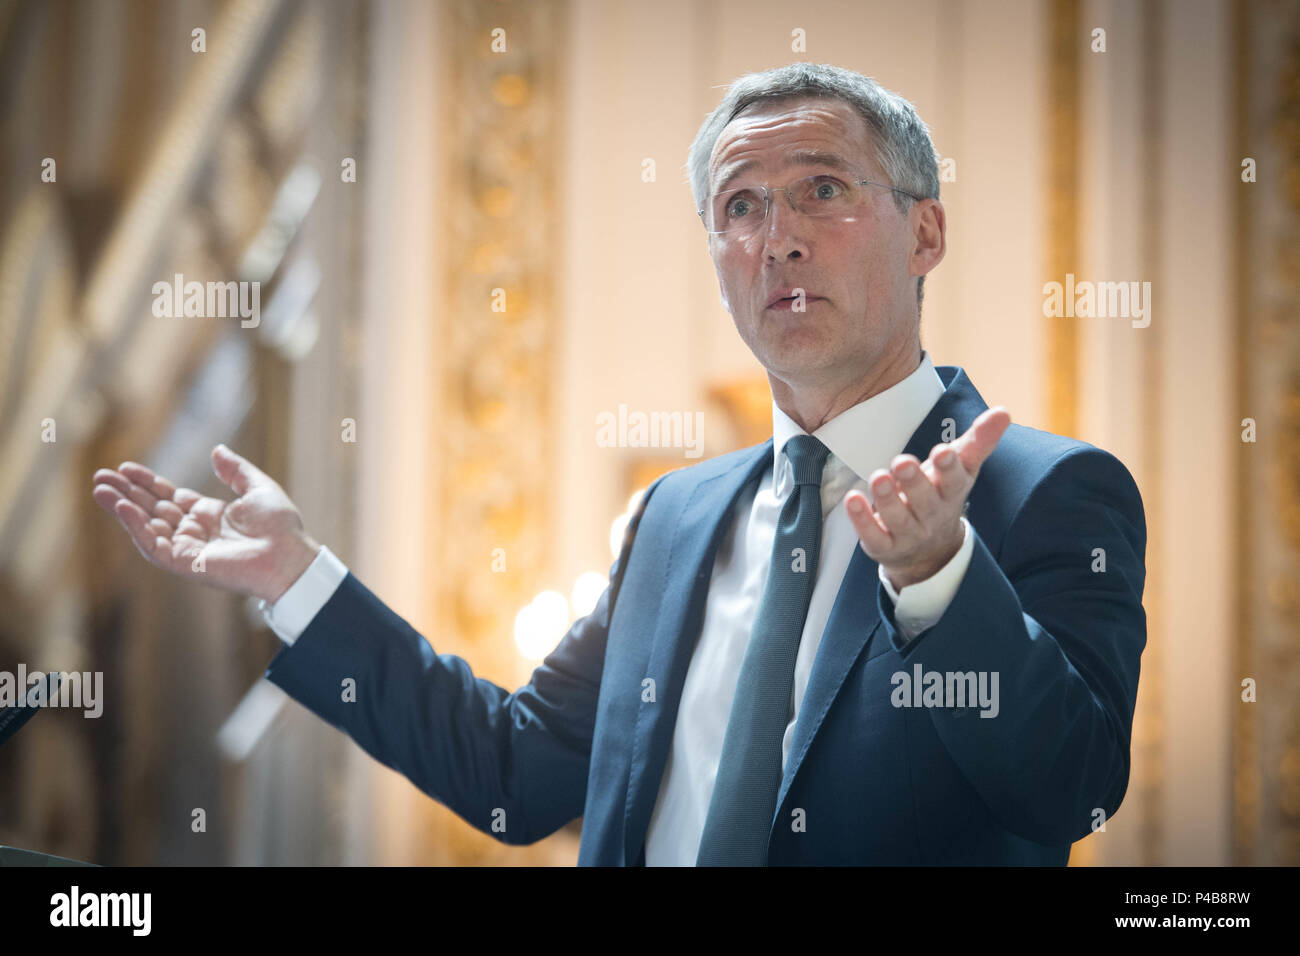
x,y
739,206
828,188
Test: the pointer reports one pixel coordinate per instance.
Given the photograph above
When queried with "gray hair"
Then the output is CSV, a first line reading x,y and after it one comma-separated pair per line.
x,y
901,140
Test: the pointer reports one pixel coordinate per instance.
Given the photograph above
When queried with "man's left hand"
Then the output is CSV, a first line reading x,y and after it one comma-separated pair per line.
x,y
915,528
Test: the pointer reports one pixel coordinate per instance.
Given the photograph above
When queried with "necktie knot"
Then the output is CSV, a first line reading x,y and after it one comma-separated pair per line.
x,y
807,458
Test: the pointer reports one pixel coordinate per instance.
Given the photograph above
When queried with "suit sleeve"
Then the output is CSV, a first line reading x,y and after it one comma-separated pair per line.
x,y
1061,624
919,606
517,760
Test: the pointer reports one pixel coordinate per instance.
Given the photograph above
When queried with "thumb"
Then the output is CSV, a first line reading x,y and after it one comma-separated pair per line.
x,y
983,437
236,471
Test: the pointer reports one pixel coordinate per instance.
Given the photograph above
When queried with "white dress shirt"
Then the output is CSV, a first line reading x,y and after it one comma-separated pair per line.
x,y
861,439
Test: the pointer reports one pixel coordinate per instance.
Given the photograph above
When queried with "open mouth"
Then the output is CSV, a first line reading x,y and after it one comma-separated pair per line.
x,y
786,304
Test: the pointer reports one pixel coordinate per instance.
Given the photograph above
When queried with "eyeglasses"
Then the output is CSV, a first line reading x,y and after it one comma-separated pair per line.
x,y
741,211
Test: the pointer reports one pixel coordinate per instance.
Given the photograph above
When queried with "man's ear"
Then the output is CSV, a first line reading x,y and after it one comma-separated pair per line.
x,y
930,244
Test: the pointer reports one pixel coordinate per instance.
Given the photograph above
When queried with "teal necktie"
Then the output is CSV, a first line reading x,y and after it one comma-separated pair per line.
x,y
749,773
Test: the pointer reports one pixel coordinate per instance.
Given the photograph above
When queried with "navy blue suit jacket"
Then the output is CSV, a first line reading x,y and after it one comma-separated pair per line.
x,y
867,782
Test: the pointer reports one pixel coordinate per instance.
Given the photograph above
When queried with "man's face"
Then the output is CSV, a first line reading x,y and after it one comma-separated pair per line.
x,y
860,290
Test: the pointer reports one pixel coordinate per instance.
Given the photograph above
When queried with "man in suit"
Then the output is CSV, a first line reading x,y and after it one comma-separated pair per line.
x,y
822,649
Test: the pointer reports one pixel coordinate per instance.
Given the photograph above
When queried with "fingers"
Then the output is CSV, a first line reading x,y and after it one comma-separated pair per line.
x,y
106,496
870,531
156,548
161,519
185,498
982,437
893,509
914,504
912,499
111,485
190,527
913,493
917,487
901,504
146,500
206,514
147,479
951,480
237,472
169,512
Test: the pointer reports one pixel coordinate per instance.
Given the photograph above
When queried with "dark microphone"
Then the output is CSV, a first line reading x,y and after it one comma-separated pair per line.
x,y
13,718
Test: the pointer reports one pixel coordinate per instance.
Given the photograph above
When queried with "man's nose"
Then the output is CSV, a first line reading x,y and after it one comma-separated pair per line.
x,y
783,230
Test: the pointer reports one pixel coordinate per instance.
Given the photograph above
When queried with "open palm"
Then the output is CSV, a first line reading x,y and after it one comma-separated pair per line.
x,y
254,545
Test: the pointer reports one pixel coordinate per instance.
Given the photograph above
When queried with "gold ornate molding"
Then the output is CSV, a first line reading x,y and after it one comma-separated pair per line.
x,y
1147,749
498,208
1065,35
1266,732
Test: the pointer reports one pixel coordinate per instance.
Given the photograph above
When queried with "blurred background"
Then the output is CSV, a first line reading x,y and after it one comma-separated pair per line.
x,y
473,235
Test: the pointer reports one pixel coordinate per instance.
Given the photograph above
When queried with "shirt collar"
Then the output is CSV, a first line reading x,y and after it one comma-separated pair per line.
x,y
868,435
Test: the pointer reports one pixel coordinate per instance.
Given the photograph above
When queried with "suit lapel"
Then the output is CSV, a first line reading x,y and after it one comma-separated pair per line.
x,y
704,519
854,622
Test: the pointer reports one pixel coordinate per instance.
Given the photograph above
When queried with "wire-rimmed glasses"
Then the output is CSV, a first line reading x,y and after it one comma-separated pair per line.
x,y
742,210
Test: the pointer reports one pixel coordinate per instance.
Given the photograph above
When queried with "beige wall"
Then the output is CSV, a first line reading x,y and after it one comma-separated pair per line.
x,y
643,321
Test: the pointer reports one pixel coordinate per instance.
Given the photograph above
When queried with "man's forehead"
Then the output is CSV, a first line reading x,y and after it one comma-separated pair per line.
x,y
840,144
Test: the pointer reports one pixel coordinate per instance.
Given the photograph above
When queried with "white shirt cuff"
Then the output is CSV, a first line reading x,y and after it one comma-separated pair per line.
x,y
289,616
919,606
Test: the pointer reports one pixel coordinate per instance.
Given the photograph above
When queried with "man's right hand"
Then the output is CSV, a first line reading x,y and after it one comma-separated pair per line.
x,y
254,545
